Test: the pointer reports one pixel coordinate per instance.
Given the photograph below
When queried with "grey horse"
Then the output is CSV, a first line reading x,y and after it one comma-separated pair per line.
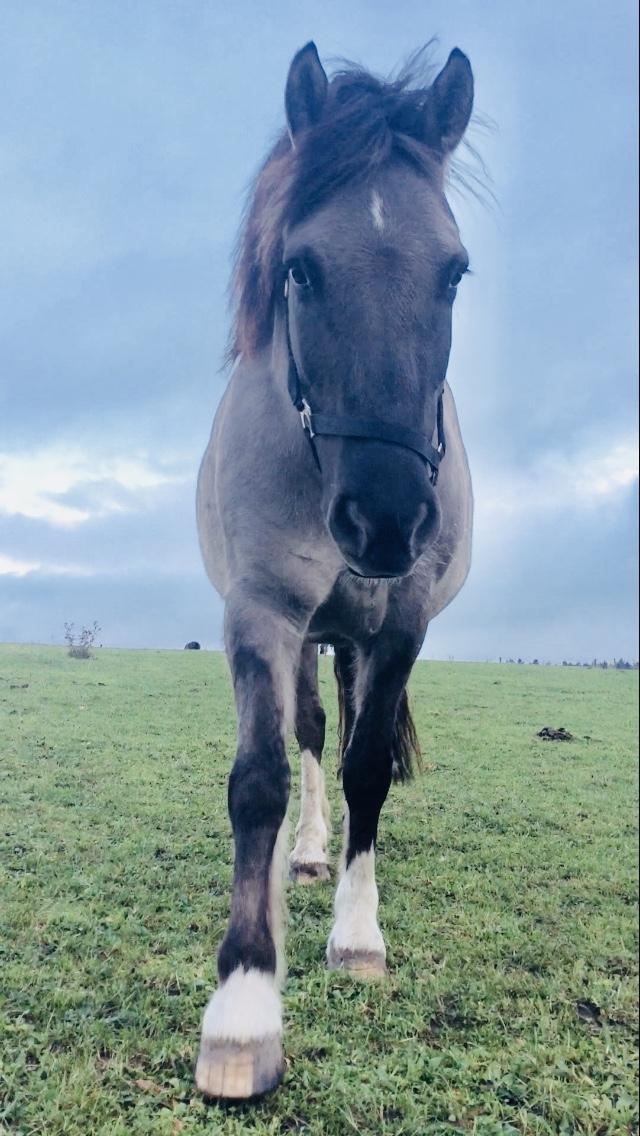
x,y
334,506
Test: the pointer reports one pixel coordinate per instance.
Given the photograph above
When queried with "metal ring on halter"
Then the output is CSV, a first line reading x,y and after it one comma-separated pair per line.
x,y
305,418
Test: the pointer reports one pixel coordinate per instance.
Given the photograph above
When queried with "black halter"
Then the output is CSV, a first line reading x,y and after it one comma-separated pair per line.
x,y
330,424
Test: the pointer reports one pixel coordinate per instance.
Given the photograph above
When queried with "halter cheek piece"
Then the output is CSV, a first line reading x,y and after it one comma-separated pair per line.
x,y
338,426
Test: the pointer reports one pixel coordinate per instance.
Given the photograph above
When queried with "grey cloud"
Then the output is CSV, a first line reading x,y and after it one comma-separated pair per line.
x,y
564,587
133,611
127,340
153,539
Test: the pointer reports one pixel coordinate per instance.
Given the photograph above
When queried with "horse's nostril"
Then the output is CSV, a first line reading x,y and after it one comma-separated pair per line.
x,y
380,542
423,524
422,520
348,526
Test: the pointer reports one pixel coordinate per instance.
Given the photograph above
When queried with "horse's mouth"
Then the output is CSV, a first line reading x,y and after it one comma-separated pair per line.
x,y
377,578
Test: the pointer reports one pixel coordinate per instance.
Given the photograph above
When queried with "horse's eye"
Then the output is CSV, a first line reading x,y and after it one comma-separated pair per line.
x,y
454,275
299,276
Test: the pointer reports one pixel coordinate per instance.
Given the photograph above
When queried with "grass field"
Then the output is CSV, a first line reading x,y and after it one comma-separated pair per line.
x,y
507,876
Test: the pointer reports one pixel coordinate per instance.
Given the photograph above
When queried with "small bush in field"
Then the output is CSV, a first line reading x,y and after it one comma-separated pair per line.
x,y
80,643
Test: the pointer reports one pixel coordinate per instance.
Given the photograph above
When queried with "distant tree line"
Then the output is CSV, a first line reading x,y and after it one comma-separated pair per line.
x,y
603,664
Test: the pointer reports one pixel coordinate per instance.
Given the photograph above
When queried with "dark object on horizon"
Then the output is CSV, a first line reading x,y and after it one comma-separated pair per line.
x,y
549,734
192,646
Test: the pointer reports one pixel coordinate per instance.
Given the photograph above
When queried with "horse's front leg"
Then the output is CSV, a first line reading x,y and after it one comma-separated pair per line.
x,y
356,943
241,1048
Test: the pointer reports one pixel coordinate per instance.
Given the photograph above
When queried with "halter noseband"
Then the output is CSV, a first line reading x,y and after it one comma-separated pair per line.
x,y
341,427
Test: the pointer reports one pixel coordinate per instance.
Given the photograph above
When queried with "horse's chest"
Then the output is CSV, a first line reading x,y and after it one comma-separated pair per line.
x,y
354,611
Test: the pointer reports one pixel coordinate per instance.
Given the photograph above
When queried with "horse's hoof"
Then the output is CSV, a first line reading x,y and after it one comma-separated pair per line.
x,y
230,1070
308,873
367,965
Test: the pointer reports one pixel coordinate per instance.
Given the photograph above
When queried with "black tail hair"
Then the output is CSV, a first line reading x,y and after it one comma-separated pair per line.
x,y
405,746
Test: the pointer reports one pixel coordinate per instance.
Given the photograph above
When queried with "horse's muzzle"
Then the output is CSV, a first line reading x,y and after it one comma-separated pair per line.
x,y
375,544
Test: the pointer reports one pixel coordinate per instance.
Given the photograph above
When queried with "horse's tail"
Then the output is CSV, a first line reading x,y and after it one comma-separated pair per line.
x,y
405,746
342,669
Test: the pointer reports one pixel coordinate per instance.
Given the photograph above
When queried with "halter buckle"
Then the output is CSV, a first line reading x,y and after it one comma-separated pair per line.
x,y
305,418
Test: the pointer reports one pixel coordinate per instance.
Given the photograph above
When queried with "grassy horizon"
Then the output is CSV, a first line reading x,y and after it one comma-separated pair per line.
x,y
508,885
503,661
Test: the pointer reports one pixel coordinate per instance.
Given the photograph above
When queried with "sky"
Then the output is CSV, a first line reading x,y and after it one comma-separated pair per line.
x,y
128,136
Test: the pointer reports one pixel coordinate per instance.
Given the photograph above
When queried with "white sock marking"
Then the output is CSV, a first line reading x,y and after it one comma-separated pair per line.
x,y
244,1008
247,1005
356,906
312,830
377,210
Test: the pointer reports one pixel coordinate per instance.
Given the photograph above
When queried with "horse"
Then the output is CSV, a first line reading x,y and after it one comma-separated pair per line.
x,y
334,505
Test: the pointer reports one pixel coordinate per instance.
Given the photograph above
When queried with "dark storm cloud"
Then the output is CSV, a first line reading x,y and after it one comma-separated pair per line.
x,y
556,586
549,590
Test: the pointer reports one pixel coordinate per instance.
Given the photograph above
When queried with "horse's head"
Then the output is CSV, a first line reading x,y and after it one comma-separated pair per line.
x,y
373,260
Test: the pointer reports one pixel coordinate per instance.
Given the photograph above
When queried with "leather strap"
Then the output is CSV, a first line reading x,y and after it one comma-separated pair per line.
x,y
380,431
321,424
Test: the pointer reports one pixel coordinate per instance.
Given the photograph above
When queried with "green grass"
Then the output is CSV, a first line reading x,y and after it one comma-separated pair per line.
x,y
507,877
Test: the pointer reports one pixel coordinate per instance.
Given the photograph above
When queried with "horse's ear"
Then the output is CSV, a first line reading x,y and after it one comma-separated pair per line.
x,y
306,90
449,104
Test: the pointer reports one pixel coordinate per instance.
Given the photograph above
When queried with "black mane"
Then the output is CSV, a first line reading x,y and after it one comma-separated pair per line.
x,y
366,124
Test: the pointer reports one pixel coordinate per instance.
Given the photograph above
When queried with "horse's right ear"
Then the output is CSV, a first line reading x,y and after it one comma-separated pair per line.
x,y
306,90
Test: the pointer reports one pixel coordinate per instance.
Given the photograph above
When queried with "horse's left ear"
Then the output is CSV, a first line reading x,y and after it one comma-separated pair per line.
x,y
306,90
449,104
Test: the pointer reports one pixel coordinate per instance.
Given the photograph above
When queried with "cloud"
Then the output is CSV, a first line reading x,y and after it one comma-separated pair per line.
x,y
156,539
136,610
552,572
11,566
548,580
35,483
125,148
555,482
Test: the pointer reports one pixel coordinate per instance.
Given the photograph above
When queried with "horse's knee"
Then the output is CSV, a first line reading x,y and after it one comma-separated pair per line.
x,y
259,790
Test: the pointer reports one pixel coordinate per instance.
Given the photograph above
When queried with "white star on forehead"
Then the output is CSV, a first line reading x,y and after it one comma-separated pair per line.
x,y
376,210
